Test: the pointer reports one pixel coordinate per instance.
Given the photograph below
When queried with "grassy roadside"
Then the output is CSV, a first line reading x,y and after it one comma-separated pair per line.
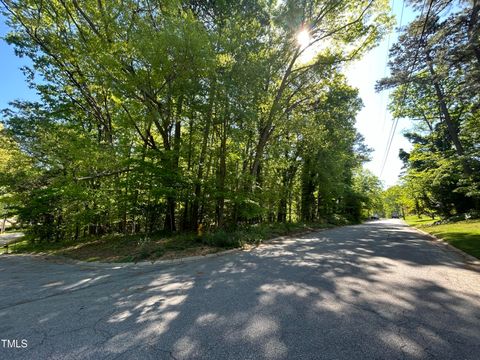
x,y
133,248
464,235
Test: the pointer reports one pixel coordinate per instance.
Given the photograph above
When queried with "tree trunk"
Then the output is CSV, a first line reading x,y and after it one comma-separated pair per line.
x,y
201,161
451,126
185,224
267,130
282,210
170,224
473,30
222,172
307,197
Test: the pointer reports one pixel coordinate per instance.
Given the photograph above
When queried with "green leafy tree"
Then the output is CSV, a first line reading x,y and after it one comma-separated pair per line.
x,y
434,76
164,115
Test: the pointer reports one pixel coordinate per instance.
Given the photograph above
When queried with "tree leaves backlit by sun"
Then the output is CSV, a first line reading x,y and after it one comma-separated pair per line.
x,y
163,115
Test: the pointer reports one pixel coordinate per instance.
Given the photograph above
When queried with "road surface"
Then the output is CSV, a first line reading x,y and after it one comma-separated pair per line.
x,y
10,237
378,290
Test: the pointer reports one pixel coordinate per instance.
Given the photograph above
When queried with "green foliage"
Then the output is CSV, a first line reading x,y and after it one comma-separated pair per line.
x,y
368,192
164,116
435,79
226,240
394,201
420,221
464,235
249,235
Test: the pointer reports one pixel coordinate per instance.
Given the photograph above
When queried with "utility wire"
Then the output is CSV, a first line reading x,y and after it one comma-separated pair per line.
x,y
395,123
385,72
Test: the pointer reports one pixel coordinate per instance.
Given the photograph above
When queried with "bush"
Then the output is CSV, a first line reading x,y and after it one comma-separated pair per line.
x,y
248,235
455,218
473,214
341,220
256,234
222,239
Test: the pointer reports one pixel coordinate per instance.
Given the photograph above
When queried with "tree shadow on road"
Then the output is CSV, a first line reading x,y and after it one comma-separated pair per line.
x,y
315,297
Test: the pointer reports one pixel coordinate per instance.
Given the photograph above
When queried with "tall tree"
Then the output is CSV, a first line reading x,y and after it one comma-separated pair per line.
x,y
163,115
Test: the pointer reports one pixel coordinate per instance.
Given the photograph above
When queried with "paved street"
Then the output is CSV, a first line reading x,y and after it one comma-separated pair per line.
x,y
9,237
374,291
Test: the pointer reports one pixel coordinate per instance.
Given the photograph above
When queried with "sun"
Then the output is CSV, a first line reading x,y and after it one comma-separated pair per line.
x,y
303,38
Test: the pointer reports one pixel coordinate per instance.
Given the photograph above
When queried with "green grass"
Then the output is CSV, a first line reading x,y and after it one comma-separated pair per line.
x,y
118,248
414,220
133,248
464,235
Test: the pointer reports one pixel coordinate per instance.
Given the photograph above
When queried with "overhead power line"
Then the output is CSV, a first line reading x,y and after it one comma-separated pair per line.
x,y
404,96
383,102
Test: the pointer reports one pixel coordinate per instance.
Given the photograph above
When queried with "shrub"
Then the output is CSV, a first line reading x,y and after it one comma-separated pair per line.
x,y
221,239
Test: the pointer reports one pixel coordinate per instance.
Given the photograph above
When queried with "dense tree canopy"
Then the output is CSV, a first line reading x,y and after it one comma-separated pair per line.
x,y
163,115
435,76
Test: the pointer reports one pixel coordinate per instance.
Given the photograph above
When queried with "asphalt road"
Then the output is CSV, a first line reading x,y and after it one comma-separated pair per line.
x,y
9,237
374,291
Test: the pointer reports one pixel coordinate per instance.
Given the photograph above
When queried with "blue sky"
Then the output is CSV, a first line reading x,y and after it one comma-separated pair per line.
x,y
12,81
374,122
